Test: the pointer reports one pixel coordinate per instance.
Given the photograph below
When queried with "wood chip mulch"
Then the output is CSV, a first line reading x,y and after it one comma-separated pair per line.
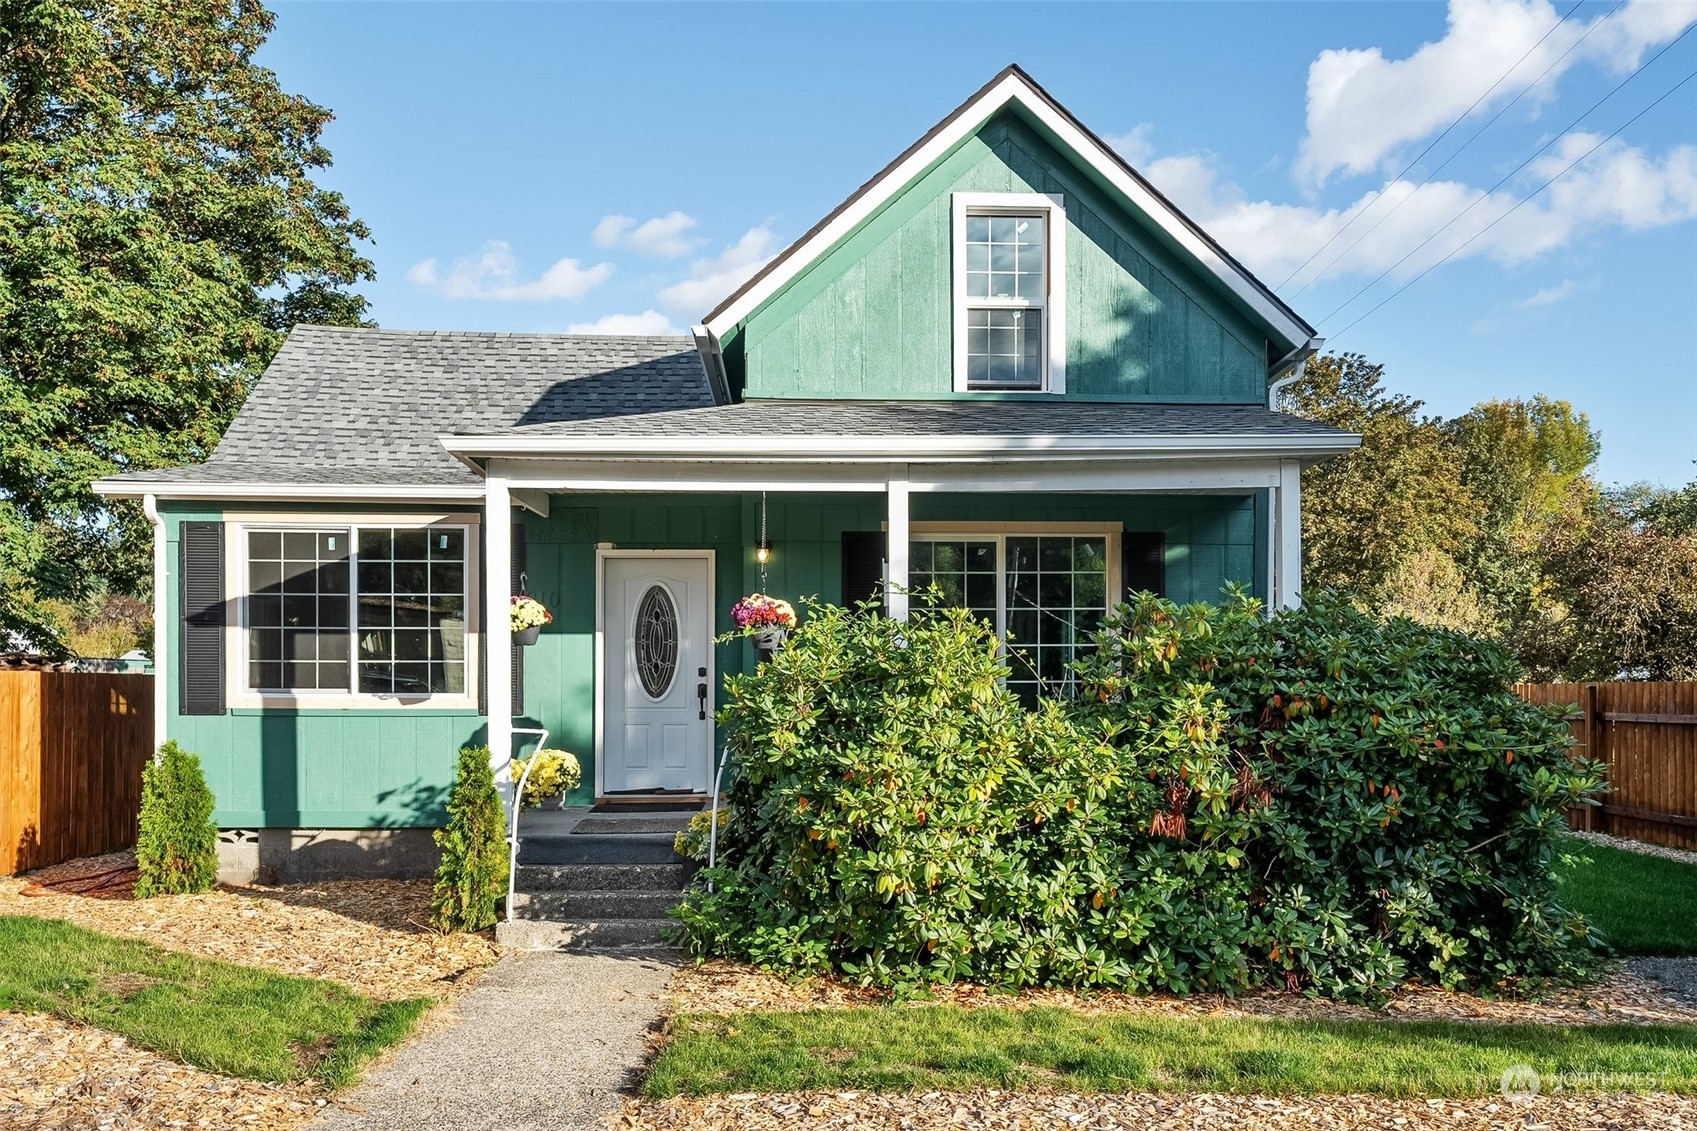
x,y
1622,998
369,935
62,1076
1153,1111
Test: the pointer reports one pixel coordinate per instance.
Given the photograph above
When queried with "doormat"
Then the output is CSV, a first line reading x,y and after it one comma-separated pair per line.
x,y
656,824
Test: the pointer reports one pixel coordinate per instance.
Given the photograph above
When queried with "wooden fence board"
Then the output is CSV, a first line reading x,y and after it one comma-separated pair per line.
x,y
1645,734
72,746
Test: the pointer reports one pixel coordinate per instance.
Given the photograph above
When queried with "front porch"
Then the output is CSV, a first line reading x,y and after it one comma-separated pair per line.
x,y
1042,557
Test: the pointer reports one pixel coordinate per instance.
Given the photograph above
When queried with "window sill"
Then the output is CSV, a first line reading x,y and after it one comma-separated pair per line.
x,y
333,702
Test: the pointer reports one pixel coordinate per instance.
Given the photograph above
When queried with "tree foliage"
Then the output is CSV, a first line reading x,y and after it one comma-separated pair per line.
x,y
471,880
159,230
1492,522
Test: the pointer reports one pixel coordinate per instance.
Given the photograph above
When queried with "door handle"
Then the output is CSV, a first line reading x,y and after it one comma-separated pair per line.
x,y
701,694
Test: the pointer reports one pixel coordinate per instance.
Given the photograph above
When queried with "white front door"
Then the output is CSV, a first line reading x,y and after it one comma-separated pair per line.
x,y
657,725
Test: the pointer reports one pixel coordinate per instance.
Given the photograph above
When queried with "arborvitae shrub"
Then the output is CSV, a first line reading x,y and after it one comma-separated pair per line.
x,y
471,881
1316,801
177,848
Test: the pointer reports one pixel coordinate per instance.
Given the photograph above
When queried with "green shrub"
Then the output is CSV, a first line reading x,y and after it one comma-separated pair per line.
x,y
692,839
471,880
177,844
1316,801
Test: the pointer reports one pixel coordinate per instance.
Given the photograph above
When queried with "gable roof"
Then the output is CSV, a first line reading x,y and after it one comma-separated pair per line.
x,y
359,407
1013,88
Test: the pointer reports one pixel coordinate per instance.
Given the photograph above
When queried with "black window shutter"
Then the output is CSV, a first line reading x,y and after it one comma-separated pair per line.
x,y
201,576
1143,560
863,566
518,568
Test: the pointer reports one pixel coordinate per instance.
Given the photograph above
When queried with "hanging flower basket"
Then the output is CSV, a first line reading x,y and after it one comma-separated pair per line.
x,y
765,620
528,617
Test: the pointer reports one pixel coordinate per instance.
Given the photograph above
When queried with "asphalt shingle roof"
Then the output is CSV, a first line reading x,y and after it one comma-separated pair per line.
x,y
354,406
943,418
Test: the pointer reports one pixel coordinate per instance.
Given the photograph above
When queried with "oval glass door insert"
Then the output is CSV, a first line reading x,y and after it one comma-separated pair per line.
x,y
656,641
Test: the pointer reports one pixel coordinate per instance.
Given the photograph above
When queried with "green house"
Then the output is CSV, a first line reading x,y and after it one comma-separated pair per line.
x,y
1006,366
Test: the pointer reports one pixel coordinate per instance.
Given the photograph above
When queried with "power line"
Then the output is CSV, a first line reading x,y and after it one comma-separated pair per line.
x,y
1321,273
1516,208
1441,137
1557,136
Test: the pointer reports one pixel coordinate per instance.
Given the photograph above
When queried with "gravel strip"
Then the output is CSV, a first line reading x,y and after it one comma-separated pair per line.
x,y
1677,977
1629,996
1151,1111
61,1076
1643,848
368,935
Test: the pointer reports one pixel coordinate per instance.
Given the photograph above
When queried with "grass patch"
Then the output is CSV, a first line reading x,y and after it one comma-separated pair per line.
x,y
225,1018
1641,904
947,1048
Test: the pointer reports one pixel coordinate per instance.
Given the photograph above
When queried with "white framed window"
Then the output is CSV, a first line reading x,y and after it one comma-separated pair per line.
x,y
364,611
1044,587
1009,286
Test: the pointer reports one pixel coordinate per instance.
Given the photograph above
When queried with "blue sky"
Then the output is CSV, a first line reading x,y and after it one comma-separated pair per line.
x,y
557,167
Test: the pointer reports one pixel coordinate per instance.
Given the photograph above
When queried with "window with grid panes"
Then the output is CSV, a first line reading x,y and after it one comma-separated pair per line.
x,y
370,609
1044,593
1006,300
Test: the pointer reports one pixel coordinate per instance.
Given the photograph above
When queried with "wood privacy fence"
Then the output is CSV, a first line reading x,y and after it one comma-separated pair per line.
x,y
1646,733
72,745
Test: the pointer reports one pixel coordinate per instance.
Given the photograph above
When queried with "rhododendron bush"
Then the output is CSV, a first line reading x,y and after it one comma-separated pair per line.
x,y
1317,801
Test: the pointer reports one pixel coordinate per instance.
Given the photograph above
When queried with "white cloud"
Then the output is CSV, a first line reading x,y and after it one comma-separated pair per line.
x,y
609,229
1549,296
1134,145
712,280
494,276
664,237
1618,186
648,322
1363,109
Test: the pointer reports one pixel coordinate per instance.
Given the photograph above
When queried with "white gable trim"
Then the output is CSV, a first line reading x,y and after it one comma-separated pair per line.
x,y
1013,87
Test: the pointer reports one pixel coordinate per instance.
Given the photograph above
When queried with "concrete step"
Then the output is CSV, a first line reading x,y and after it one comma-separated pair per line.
x,y
594,906
597,848
602,877
555,934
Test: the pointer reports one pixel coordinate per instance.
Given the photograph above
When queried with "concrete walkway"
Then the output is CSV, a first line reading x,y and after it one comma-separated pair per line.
x,y
544,1042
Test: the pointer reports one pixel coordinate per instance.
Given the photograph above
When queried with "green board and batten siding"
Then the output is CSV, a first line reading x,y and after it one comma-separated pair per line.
x,y
872,318
390,767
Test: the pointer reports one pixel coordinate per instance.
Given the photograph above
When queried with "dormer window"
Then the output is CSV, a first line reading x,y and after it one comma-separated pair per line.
x,y
1009,279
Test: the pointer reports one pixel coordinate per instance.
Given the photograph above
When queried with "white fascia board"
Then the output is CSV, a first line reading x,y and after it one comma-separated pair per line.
x,y
1012,89
848,449
286,492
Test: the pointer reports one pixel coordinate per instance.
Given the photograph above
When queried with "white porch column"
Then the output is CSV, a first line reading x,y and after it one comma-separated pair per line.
x,y
498,626
1287,536
162,623
896,543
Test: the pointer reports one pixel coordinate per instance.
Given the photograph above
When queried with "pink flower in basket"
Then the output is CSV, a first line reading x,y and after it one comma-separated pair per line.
x,y
760,611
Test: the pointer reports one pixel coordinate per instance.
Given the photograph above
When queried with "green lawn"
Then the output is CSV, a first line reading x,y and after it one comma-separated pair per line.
x,y
947,1047
225,1018
1641,904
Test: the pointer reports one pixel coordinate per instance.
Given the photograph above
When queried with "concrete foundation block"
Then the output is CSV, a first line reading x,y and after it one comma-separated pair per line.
x,y
290,856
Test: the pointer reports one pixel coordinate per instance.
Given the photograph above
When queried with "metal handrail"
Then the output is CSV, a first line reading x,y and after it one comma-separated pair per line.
x,y
713,818
518,807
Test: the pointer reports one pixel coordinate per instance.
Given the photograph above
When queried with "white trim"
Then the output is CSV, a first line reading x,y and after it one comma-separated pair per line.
x,y
896,543
117,488
1054,304
1012,89
236,691
162,622
1288,536
834,448
604,551
498,645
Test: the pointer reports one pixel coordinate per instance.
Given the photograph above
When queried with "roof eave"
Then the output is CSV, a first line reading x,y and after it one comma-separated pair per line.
x,y
119,487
